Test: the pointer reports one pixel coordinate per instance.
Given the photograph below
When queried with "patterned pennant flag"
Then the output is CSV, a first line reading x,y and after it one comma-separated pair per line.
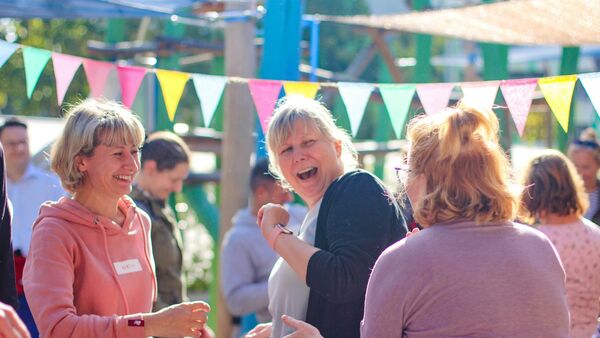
x,y
434,96
35,60
591,84
397,99
7,49
558,91
264,94
355,97
97,73
172,84
209,89
130,79
307,89
518,95
481,94
65,67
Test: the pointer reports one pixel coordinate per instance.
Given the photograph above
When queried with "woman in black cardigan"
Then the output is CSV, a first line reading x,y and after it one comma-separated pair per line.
x,y
352,218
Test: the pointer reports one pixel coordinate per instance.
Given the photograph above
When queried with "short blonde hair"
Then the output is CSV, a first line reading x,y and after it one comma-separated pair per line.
x,y
552,186
88,124
293,108
465,169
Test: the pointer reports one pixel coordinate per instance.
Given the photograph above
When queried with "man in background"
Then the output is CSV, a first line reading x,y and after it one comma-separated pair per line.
x,y
246,258
27,187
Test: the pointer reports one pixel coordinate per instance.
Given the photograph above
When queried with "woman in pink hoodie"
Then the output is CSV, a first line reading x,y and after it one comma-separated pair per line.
x,y
90,272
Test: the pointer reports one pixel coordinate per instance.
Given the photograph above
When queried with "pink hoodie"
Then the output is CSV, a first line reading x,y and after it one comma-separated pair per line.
x,y
87,277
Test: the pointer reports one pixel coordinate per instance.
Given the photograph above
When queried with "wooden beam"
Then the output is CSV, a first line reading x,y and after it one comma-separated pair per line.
x,y
238,142
384,50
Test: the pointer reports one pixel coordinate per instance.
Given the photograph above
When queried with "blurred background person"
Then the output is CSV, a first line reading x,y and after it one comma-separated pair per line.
x,y
28,187
322,274
165,164
90,272
555,201
585,154
246,258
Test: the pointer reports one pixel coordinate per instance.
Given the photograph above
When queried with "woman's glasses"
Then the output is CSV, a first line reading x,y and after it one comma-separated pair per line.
x,y
402,172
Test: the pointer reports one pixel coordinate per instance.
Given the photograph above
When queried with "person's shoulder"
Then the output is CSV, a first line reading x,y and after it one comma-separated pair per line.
x,y
591,227
527,232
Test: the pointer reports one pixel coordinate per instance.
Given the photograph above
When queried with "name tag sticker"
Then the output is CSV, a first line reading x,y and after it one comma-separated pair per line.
x,y
128,266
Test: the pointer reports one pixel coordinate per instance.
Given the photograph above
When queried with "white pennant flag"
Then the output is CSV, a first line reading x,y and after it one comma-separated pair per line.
x,y
209,89
591,83
355,97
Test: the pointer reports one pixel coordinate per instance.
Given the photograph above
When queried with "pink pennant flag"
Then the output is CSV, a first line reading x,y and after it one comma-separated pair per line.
x,y
65,67
97,73
434,96
518,95
130,79
264,94
481,94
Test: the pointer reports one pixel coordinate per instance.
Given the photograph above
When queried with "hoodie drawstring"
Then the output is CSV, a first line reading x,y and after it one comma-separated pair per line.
x,y
150,265
115,275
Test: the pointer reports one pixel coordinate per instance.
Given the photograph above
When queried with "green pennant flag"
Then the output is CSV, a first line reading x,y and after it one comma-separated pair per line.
x,y
397,99
35,60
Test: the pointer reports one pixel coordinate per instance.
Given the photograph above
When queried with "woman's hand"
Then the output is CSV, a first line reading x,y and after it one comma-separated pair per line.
x,y
269,215
11,325
260,331
303,329
179,320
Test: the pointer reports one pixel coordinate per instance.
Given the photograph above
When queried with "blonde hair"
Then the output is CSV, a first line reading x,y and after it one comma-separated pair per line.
x,y
293,108
587,142
88,124
465,169
552,186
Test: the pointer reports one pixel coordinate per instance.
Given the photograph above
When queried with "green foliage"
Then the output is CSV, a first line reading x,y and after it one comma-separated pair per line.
x,y
64,36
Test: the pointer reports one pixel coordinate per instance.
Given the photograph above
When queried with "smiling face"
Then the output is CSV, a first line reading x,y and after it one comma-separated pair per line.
x,y
109,171
161,183
309,161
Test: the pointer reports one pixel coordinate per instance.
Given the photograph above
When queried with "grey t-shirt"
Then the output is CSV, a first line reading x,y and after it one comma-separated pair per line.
x,y
288,294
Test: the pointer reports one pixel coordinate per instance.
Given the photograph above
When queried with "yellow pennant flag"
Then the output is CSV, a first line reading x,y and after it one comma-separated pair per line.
x,y
558,91
308,89
172,84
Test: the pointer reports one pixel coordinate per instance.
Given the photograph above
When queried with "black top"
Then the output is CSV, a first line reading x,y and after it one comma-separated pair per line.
x,y
358,219
8,289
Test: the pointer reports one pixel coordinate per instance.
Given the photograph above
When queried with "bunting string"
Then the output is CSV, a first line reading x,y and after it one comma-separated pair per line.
x,y
397,98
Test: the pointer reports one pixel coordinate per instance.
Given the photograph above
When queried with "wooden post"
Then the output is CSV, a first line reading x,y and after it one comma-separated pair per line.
x,y
238,142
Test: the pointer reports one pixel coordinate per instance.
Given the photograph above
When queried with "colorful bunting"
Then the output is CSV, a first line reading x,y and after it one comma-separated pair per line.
x,y
6,51
172,84
591,83
35,60
264,94
397,99
558,91
209,89
481,94
65,67
355,97
130,79
434,96
97,74
518,95
307,89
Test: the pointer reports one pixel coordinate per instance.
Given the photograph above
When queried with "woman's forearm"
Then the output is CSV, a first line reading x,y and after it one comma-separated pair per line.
x,y
296,253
